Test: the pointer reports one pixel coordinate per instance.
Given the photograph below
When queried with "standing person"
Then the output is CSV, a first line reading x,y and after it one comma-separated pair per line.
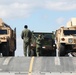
x,y
26,36
38,45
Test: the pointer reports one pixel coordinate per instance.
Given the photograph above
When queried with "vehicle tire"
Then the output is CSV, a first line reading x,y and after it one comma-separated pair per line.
x,y
53,53
73,54
11,53
32,53
41,52
62,51
5,49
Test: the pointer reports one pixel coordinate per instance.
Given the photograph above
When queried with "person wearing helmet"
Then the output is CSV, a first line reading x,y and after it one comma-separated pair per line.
x,y
38,45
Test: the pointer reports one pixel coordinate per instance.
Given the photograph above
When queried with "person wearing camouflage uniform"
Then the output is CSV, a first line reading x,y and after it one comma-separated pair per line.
x,y
38,45
26,36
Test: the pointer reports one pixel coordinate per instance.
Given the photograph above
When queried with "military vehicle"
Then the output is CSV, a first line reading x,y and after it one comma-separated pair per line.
x,y
66,38
48,44
7,39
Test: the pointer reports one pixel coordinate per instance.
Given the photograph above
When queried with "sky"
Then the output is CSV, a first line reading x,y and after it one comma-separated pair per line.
x,y
39,15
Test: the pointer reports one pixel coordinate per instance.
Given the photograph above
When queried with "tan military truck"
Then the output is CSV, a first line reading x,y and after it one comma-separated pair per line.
x,y
66,38
7,39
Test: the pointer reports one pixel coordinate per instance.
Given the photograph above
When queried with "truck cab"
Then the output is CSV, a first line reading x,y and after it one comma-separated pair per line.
x,y
48,44
7,39
66,38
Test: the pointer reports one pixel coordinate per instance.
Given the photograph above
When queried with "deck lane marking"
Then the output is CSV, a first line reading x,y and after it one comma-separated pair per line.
x,y
57,61
4,73
60,73
31,66
7,61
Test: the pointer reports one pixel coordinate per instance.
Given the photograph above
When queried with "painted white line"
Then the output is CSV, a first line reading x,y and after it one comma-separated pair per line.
x,y
60,73
7,73
57,61
7,61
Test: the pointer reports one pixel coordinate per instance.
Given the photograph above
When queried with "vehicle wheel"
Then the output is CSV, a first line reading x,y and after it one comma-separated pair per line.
x,y
11,53
53,53
73,54
32,53
41,53
5,49
62,51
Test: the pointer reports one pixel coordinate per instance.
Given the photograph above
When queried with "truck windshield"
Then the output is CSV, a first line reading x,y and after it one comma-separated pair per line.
x,y
47,38
47,35
2,32
47,41
69,32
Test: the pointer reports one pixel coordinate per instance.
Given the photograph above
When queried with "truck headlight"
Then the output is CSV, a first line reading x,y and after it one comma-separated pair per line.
x,y
70,40
53,45
43,47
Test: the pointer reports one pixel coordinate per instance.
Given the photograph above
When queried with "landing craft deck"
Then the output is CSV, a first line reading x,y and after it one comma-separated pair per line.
x,y
38,66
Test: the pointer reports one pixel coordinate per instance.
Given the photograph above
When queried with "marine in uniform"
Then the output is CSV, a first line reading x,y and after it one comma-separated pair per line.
x,y
26,36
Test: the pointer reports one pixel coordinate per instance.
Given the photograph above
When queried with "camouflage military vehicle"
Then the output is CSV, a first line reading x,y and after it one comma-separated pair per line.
x,y
48,44
66,38
7,39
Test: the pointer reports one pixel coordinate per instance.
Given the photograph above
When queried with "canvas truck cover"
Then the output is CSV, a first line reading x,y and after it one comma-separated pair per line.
x,y
72,23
